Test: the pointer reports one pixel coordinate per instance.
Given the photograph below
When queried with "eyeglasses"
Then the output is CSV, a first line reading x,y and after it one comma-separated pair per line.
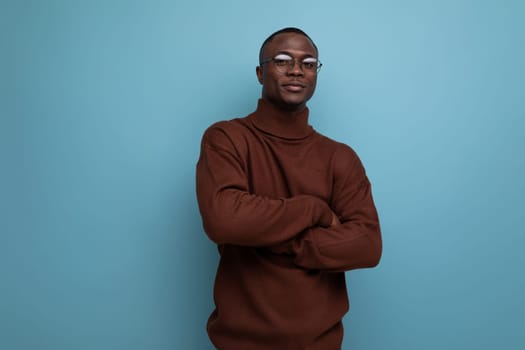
x,y
284,62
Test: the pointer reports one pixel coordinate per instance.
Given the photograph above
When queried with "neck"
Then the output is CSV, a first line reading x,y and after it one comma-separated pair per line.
x,y
286,108
283,123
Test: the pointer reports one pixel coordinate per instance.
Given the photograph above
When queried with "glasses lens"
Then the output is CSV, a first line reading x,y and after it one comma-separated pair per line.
x,y
284,62
310,64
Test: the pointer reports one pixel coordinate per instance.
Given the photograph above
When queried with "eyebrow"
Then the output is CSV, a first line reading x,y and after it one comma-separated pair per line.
x,y
289,54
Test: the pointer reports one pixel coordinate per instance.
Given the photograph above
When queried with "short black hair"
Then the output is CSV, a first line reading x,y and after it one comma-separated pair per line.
x,y
281,31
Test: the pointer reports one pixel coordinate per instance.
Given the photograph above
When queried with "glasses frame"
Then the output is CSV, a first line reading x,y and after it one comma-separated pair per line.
x,y
292,63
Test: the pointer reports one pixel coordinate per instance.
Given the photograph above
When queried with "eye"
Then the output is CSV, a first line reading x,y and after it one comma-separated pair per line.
x,y
310,63
281,62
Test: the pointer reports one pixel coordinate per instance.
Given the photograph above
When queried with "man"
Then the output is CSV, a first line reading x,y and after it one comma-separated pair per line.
x,y
290,210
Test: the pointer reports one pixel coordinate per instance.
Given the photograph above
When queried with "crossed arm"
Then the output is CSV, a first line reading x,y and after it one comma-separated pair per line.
x,y
337,237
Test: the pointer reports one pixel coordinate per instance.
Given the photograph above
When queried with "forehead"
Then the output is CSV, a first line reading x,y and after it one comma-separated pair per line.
x,y
290,42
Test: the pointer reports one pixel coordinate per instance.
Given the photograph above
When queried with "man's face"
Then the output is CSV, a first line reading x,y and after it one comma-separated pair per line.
x,y
291,87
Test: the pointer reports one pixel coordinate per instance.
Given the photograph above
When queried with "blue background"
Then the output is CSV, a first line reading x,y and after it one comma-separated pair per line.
x,y
103,104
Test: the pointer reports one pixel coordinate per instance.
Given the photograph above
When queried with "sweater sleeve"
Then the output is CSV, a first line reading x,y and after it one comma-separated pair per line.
x,y
233,215
356,242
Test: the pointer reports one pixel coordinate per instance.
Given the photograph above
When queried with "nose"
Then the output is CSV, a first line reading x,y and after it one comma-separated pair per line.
x,y
296,68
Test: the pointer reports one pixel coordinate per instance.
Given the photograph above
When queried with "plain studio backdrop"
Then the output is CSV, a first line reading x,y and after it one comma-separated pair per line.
x,y
103,105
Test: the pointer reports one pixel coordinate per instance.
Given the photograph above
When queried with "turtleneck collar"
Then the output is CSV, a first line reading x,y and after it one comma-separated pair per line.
x,y
279,123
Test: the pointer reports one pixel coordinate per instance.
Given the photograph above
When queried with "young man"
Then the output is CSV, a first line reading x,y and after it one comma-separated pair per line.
x,y
290,210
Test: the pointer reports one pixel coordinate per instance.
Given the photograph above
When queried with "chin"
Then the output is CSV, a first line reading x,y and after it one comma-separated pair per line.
x,y
294,99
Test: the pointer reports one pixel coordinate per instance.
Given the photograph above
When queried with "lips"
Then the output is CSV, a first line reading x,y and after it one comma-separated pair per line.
x,y
293,86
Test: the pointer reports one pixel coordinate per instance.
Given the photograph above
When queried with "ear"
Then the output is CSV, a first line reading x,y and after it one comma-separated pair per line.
x,y
259,72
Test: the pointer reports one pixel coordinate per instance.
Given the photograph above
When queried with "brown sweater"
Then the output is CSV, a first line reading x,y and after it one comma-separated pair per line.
x,y
267,185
